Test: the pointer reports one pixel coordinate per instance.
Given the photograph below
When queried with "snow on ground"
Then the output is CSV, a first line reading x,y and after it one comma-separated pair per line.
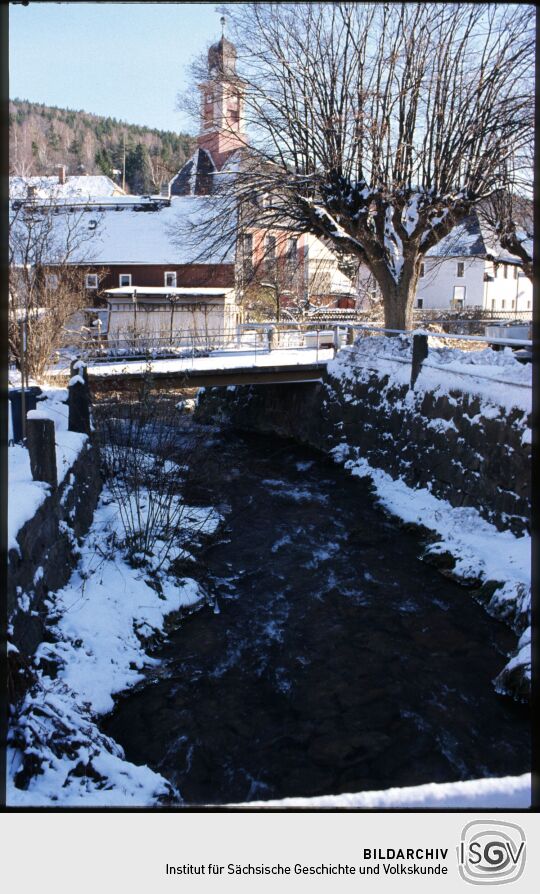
x,y
217,360
25,496
495,376
509,792
101,619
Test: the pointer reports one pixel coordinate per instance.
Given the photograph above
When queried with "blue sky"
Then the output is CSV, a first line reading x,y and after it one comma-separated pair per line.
x,y
127,60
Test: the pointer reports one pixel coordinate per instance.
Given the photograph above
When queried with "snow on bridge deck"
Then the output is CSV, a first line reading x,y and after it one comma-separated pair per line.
x,y
301,364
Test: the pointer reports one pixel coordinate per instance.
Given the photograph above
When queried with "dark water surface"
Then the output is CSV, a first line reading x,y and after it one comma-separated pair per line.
x,y
338,662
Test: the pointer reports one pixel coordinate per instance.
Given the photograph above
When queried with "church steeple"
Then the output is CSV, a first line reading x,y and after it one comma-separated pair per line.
x,y
222,123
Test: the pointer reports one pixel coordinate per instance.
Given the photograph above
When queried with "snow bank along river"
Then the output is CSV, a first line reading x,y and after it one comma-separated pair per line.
x,y
329,659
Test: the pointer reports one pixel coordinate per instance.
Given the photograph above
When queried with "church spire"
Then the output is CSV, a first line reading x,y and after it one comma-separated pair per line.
x,y
222,102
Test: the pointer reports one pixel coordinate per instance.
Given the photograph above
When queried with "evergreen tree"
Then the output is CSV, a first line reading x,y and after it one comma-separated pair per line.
x,y
103,161
138,174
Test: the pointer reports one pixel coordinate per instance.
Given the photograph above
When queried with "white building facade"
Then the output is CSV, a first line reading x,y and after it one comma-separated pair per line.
x,y
468,269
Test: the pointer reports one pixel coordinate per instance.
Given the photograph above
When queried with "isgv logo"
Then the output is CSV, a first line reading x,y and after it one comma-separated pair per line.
x,y
491,852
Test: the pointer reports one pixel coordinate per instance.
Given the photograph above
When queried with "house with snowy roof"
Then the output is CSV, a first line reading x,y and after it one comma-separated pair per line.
x,y
63,187
470,269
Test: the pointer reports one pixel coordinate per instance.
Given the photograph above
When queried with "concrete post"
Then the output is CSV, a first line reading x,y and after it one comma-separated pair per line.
x,y
41,447
419,354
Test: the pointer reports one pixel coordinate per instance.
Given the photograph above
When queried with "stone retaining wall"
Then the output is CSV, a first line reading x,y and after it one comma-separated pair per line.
x,y
48,550
463,449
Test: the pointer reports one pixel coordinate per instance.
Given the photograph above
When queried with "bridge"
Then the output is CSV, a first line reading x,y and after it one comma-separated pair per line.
x,y
220,368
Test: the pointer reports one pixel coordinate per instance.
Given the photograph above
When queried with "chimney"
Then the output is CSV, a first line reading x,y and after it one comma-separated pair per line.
x,y
61,174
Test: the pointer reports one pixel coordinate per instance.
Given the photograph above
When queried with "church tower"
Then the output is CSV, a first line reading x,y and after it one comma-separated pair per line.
x,y
222,111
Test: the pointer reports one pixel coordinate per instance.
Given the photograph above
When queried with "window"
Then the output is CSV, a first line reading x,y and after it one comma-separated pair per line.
x,y
270,251
292,251
419,303
422,270
91,281
247,249
493,304
529,304
505,271
503,302
51,281
209,108
515,272
170,279
234,108
460,269
513,304
124,280
459,297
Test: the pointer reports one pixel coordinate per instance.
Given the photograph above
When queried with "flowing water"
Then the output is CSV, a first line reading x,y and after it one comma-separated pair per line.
x,y
333,661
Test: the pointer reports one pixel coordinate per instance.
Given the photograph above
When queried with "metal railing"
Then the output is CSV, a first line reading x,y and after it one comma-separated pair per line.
x,y
251,341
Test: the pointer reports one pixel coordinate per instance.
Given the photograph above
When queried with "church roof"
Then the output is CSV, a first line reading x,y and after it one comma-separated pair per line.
x,y
195,177
222,58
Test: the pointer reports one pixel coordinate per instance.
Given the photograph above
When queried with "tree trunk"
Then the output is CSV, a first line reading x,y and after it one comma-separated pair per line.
x,y
398,297
398,305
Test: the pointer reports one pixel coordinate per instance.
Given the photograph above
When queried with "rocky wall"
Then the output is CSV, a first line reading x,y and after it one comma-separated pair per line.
x,y
463,449
48,550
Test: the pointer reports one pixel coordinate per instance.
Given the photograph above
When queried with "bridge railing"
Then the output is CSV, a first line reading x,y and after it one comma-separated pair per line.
x,y
253,339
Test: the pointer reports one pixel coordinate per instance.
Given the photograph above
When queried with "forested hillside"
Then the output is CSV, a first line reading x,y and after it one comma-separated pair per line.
x,y
44,136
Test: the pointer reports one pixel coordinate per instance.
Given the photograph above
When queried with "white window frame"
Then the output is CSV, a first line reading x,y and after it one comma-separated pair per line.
x,y
91,281
460,269
124,285
170,285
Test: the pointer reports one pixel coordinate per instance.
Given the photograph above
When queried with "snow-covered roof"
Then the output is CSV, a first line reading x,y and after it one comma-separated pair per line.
x,y
88,186
174,234
471,239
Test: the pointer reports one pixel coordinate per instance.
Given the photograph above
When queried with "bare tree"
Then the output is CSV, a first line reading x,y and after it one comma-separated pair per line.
x,y
508,215
379,127
45,287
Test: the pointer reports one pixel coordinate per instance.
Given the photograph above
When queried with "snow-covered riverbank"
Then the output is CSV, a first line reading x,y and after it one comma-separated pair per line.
x,y
100,623
481,551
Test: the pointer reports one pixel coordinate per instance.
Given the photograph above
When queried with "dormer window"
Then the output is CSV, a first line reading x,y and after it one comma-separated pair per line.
x,y
124,280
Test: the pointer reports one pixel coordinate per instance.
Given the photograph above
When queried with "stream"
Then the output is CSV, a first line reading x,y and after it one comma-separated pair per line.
x,y
333,660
